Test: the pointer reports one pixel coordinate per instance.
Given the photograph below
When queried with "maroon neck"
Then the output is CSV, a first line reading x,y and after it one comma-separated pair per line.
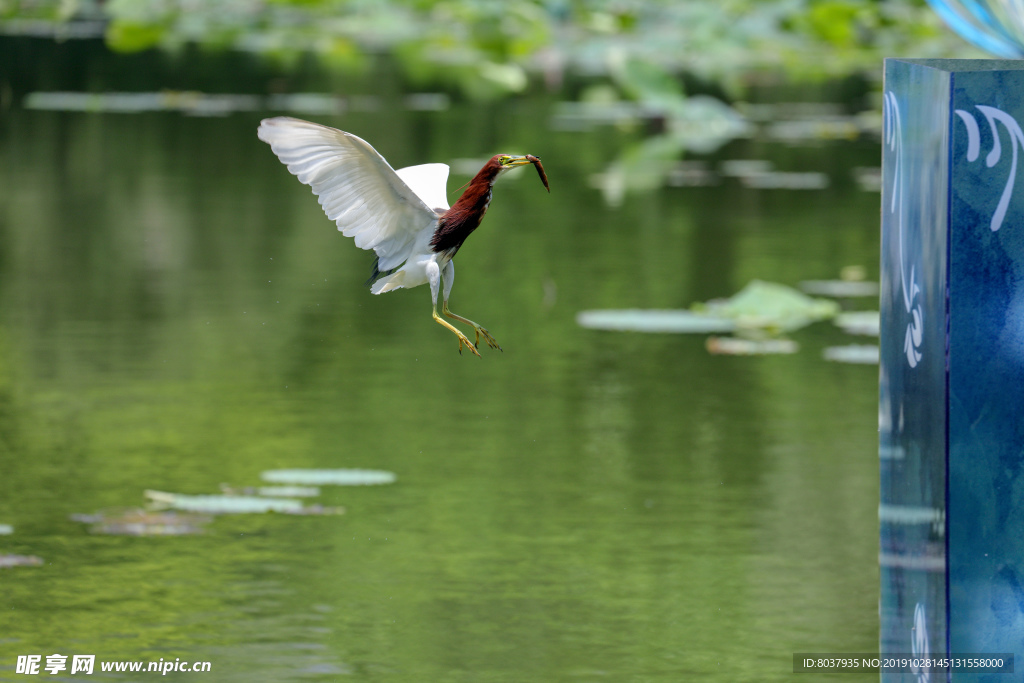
x,y
456,224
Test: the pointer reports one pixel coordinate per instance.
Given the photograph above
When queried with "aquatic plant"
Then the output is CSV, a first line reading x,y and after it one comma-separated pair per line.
x,y
487,49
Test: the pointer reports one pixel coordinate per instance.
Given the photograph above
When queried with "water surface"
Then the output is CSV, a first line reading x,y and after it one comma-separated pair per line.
x,y
177,313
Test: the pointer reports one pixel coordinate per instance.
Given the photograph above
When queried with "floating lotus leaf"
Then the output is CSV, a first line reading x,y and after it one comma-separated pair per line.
x,y
859,322
759,306
339,477
864,354
636,320
289,491
840,289
781,180
20,561
272,491
318,509
197,103
771,306
221,504
733,346
138,522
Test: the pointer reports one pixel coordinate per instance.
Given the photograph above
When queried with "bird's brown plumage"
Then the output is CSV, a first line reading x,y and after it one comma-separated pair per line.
x,y
456,224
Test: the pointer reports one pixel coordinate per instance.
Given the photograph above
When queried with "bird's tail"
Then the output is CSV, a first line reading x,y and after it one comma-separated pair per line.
x,y
386,284
384,281
377,274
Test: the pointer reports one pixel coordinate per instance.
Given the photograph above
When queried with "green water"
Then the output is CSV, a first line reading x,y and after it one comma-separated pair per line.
x,y
177,313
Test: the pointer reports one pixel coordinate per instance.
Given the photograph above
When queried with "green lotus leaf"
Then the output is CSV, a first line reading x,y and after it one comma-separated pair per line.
x,y
338,477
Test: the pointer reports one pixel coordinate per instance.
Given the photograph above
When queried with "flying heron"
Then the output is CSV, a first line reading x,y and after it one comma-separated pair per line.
x,y
401,215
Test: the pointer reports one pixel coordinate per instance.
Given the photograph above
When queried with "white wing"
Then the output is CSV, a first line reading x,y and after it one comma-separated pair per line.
x,y
356,187
429,182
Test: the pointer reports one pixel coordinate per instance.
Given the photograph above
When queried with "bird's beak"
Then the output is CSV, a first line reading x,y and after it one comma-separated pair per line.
x,y
508,162
518,161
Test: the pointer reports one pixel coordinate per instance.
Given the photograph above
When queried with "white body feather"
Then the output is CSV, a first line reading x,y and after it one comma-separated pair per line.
x,y
391,212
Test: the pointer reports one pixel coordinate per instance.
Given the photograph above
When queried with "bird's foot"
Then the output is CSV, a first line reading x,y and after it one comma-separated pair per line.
x,y
491,341
463,339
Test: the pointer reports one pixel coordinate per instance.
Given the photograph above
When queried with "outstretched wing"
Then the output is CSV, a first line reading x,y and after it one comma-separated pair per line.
x,y
356,187
429,182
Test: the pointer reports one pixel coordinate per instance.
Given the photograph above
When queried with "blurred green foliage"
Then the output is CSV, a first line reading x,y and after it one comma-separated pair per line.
x,y
492,47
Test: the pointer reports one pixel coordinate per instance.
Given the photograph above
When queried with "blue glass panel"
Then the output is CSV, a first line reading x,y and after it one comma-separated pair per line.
x,y
912,414
986,377
951,413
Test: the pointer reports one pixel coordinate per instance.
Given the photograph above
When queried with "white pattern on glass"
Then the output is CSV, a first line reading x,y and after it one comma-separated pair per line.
x,y
915,328
992,115
919,642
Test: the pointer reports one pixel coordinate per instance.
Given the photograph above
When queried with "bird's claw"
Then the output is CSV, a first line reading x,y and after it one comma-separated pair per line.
x,y
491,341
463,339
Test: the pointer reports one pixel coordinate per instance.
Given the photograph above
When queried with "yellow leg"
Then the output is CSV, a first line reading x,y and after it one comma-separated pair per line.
x,y
479,330
463,339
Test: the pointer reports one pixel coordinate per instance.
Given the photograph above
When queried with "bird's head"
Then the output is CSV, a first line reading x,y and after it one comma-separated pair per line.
x,y
507,161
